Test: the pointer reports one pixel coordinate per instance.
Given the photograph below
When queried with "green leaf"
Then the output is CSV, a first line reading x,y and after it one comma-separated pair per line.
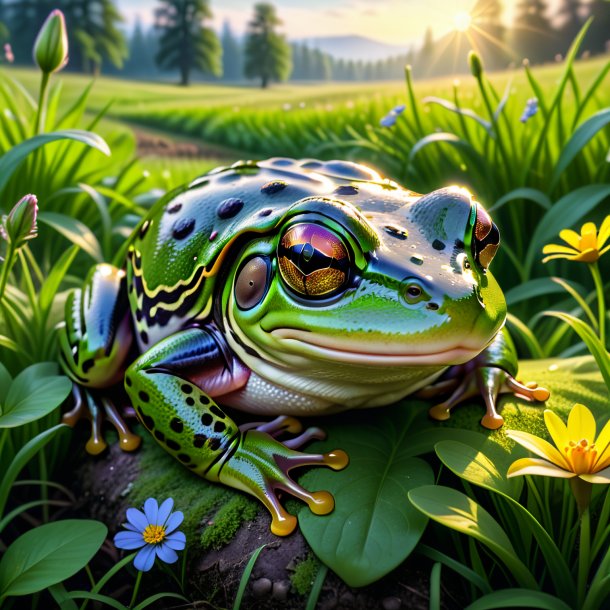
x,y
52,282
591,340
32,395
484,465
518,598
24,455
580,138
535,288
9,344
49,554
245,577
5,382
373,527
457,511
156,597
74,230
528,194
12,159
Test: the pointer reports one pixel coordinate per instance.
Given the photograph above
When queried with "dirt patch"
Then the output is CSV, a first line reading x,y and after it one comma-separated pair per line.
x,y
153,144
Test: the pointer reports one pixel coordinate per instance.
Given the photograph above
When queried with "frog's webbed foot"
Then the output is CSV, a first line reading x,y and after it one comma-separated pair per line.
x,y
261,465
98,409
488,382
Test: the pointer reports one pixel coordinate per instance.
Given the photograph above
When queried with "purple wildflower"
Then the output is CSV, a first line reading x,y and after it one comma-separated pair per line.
x,y
531,108
153,532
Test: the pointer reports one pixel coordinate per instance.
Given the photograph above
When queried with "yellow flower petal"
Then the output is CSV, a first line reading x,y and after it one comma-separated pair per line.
x,y
604,250
553,257
590,255
602,445
536,466
581,424
570,237
557,249
603,476
557,429
538,446
604,233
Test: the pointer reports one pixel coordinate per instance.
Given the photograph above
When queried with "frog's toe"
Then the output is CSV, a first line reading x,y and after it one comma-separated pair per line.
x,y
530,391
97,411
276,427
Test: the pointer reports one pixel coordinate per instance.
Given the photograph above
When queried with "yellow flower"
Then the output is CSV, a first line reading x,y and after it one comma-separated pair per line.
x,y
577,453
586,247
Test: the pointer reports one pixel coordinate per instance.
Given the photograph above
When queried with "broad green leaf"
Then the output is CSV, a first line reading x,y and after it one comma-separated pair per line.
x,y
528,194
34,393
484,465
518,598
74,230
12,159
373,528
49,554
580,138
24,455
457,511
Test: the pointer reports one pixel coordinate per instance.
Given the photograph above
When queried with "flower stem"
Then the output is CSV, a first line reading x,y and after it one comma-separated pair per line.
x,y
136,589
583,555
41,113
7,265
601,302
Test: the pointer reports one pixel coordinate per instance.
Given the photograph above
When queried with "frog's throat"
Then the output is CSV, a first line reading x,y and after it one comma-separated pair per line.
x,y
327,348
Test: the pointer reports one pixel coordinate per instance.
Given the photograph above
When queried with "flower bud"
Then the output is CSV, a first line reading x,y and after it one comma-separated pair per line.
x,y
51,46
20,224
475,63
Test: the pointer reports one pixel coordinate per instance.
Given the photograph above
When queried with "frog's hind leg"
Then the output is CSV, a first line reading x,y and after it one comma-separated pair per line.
x,y
167,387
94,342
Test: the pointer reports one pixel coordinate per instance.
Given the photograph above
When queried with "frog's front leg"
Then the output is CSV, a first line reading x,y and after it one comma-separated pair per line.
x,y
94,342
492,372
167,386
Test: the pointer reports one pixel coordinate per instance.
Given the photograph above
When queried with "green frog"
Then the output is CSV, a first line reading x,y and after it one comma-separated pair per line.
x,y
289,288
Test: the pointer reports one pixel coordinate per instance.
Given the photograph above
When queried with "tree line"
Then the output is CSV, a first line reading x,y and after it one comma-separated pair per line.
x,y
182,42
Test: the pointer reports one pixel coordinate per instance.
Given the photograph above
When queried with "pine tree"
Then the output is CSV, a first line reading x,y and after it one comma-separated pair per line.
x,y
231,54
532,37
267,54
570,10
306,62
322,69
93,26
140,60
185,43
598,38
425,57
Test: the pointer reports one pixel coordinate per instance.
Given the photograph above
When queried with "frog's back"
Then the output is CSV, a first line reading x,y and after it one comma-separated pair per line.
x,y
178,252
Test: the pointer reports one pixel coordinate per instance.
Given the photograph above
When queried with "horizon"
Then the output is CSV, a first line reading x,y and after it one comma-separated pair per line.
x,y
399,23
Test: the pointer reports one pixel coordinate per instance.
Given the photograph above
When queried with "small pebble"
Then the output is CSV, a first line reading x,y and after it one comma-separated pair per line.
x,y
261,587
280,590
391,603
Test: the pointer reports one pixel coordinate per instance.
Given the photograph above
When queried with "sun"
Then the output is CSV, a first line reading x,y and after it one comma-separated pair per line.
x,y
462,21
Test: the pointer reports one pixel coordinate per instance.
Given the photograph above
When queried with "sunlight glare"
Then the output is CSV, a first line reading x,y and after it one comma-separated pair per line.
x,y
462,21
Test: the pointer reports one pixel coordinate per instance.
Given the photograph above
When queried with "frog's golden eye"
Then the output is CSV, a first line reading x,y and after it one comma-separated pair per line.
x,y
313,261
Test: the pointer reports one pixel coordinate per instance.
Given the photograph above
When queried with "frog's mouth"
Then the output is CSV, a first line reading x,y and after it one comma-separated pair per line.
x,y
337,350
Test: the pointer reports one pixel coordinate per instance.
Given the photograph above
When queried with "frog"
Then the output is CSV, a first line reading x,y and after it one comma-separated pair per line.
x,y
287,289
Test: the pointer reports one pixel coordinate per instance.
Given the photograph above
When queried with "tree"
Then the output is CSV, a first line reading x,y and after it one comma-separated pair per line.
x,y
599,34
140,60
185,43
231,54
93,27
425,57
268,55
532,36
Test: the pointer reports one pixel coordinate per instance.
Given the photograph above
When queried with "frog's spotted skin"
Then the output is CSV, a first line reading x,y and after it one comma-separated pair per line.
x,y
282,288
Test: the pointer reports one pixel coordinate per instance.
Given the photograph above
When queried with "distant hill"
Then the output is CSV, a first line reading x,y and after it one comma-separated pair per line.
x,y
355,47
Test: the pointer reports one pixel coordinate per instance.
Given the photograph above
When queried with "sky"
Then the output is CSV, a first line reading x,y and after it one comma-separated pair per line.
x,y
397,22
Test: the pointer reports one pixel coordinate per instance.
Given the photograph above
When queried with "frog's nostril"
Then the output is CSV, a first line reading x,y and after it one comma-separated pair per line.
x,y
432,306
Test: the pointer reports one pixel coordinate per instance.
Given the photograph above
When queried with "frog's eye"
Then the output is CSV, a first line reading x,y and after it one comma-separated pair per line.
x,y
413,293
251,282
313,261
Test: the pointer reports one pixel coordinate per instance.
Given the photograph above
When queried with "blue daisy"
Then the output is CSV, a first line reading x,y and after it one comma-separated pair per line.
x,y
153,532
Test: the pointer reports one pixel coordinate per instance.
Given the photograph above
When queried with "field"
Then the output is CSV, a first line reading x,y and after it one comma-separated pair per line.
x,y
531,144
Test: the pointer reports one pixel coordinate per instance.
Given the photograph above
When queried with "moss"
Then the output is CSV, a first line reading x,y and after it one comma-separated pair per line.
x,y
228,520
160,476
304,574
